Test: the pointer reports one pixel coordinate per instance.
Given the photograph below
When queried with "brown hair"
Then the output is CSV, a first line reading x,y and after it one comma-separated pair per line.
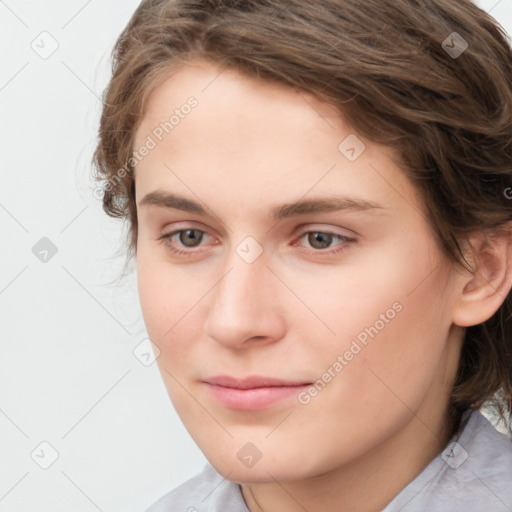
x,y
400,74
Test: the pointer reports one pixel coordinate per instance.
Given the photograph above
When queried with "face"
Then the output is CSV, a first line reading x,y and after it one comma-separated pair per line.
x,y
287,275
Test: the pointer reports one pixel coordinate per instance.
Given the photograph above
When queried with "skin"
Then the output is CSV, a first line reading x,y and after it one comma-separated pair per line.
x,y
248,147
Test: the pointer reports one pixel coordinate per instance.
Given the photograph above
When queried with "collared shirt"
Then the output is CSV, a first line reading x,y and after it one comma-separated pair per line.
x,y
472,474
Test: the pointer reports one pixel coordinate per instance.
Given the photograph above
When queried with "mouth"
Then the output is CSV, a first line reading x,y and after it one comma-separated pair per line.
x,y
252,393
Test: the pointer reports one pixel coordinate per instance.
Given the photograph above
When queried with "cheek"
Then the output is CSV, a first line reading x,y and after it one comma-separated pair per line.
x,y
173,301
388,323
380,380
366,295
168,294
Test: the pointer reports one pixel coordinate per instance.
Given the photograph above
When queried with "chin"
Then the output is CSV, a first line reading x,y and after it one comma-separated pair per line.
x,y
256,475
281,465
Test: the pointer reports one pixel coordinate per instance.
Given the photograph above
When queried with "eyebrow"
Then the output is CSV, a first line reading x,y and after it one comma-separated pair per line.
x,y
300,207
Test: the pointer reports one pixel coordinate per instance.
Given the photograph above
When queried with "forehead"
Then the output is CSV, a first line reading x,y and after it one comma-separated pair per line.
x,y
252,135
227,88
238,105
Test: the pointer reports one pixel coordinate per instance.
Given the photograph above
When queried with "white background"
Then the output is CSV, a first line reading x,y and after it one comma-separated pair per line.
x,y
68,375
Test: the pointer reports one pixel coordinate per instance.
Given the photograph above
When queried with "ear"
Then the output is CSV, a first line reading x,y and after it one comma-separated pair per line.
x,y
483,291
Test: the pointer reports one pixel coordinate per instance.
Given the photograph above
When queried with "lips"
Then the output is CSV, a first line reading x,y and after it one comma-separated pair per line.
x,y
252,382
252,393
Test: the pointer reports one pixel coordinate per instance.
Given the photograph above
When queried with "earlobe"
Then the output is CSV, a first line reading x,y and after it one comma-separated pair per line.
x,y
483,291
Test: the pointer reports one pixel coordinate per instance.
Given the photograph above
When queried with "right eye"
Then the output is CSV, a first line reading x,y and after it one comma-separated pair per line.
x,y
186,238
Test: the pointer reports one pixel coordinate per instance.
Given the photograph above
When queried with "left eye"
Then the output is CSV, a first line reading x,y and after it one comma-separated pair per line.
x,y
320,239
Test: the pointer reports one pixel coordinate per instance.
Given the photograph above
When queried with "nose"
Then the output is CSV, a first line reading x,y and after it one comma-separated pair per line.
x,y
246,305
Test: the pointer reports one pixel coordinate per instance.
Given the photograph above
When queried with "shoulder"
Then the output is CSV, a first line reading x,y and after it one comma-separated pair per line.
x,y
472,474
479,473
485,454
207,491
489,450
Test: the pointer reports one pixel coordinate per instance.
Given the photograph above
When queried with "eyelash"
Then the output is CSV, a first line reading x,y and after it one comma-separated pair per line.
x,y
318,252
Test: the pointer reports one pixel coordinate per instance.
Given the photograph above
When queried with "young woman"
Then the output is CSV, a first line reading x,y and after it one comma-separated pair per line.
x,y
319,197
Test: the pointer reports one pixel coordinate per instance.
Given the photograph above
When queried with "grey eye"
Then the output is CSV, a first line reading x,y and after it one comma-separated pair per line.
x,y
189,237
319,240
